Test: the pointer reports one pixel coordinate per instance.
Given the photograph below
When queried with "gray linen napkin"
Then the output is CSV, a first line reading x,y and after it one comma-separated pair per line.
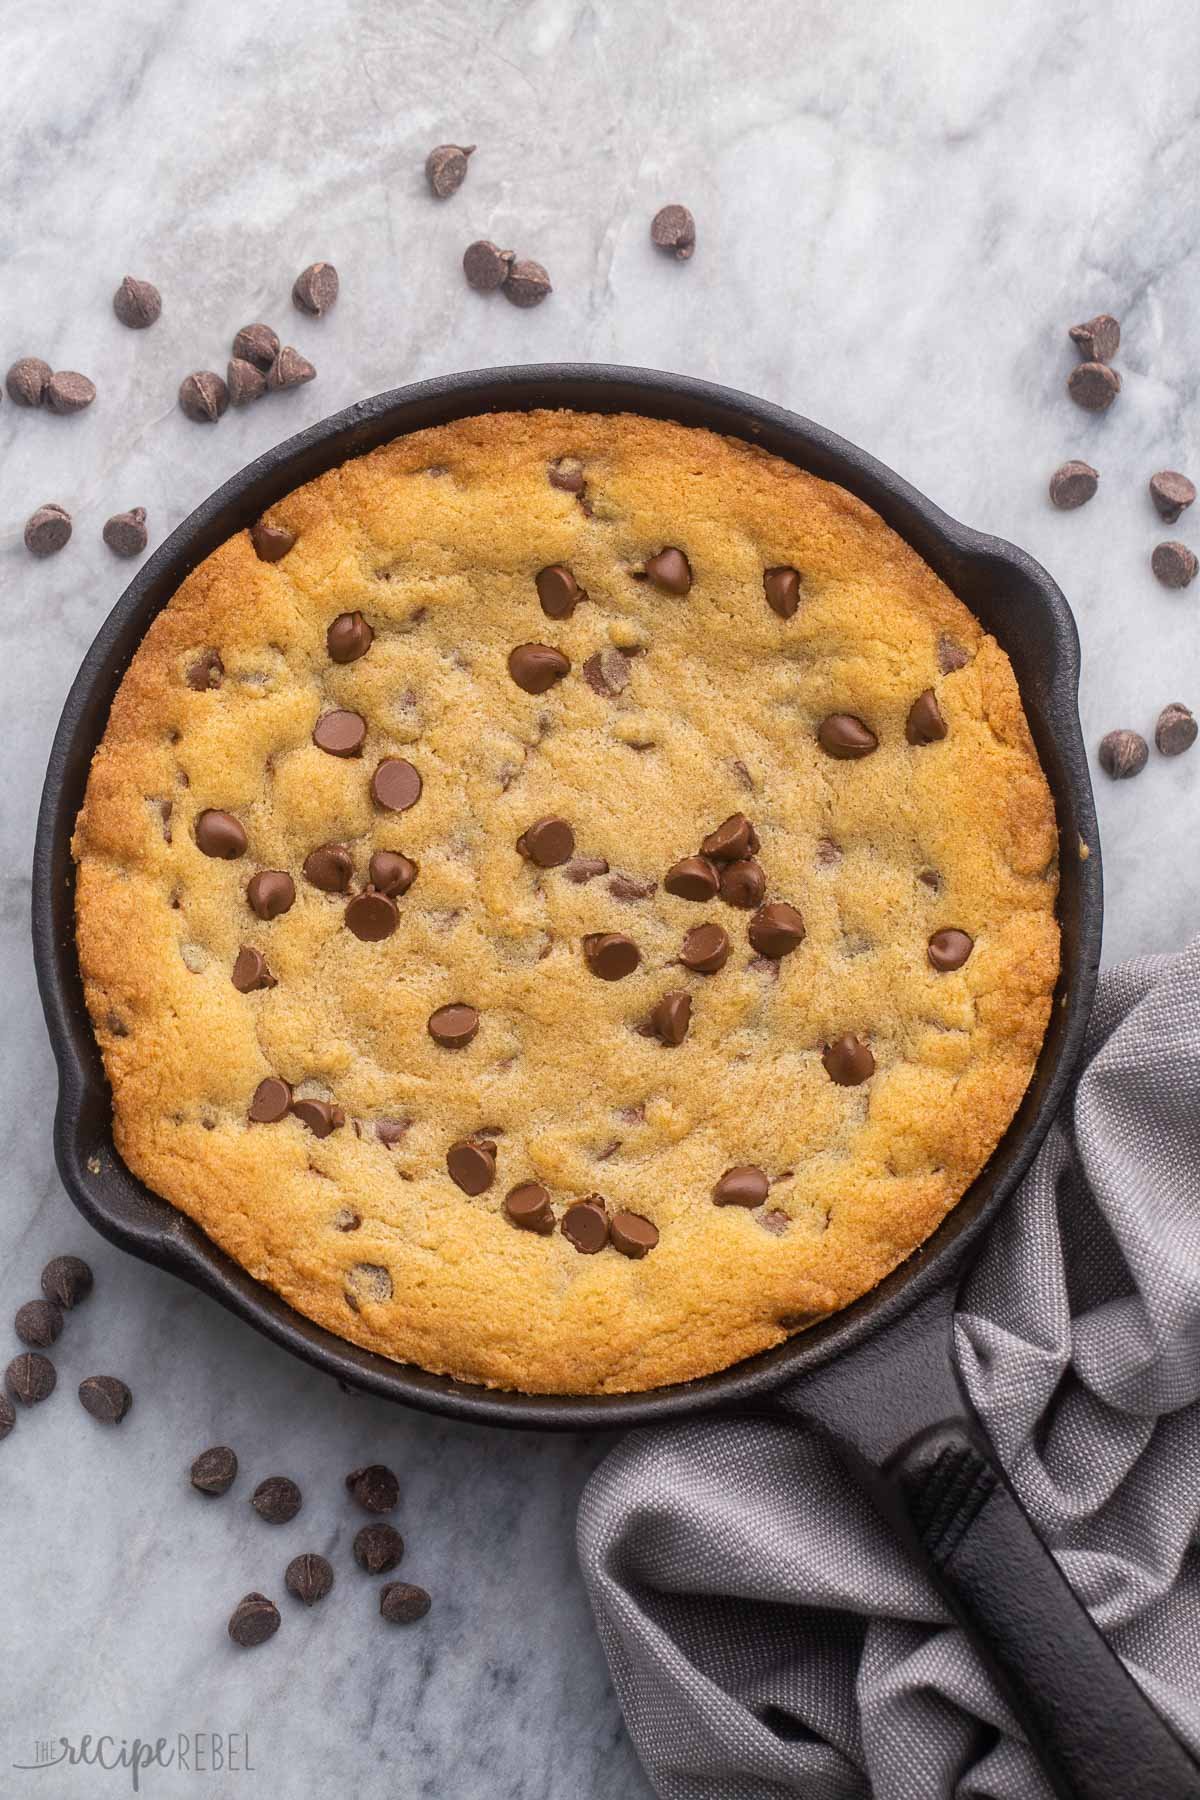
x,y
766,1636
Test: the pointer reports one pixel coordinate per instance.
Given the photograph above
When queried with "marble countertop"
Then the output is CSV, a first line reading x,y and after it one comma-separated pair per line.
x,y
900,210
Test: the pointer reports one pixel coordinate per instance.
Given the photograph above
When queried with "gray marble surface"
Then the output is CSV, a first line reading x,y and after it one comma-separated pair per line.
x,y
901,208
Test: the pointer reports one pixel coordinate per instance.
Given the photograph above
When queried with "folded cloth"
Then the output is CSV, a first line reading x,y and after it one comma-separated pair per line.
x,y
766,1636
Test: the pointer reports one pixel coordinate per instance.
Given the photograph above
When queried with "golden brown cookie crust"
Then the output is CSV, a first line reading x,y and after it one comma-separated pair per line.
x,y
437,539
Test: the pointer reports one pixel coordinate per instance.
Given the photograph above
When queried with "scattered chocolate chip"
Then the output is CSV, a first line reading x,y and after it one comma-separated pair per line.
x,y
828,853
567,474
1175,731
782,589
607,673
372,916
951,656
527,284
250,971
692,878
586,1225
321,1117
471,1164
256,344
315,289
400,1603
38,1323
632,1235
26,380
208,671
348,638
844,736
673,229
528,1205
346,1219
8,1417
272,1101
214,1471
330,867
68,392
375,1488
745,1185
949,949
309,1577
627,887
367,1284
848,1062
253,1621
137,304
925,724
585,868
610,954
931,879
1073,485
392,1131
705,949
270,893
733,841
672,1017
391,873
271,542
548,842
245,383
395,785
669,571
1171,493
289,370
1173,563
1093,385
30,1378
1099,339
203,397
340,733
105,1397
125,533
776,930
743,883
378,1548
47,530
446,168
536,667
453,1026
486,266
558,591
66,1280
277,1499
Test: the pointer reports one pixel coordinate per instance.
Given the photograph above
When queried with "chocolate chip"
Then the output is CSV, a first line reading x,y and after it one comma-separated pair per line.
x,y
315,289
67,391
203,397
632,1234
137,304
951,656
1099,339
391,873
567,474
340,733
105,1397
348,638
272,1101
925,724
309,1577
848,1062
392,1131
26,380
776,930
673,229
558,591
528,1205
47,530
610,954
330,867
367,1284
38,1323
453,1026
745,1185
215,1470
372,916
782,589
244,381
527,284
1171,493
547,842
1073,485
931,879
1174,564
1093,385
585,868
844,736
627,887
271,542
733,841
321,1117
607,673
705,949
672,1017
1175,731
669,571
536,667
949,949
472,1165
378,1548
30,1378
270,893
277,1499
66,1280
829,854
395,785
257,345
692,878
743,883
289,370
250,971
8,1417
486,266
586,1225
446,168
253,1621
346,1219
375,1488
400,1603
125,533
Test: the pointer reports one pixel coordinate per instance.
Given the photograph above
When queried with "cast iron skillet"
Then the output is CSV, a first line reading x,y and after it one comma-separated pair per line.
x,y
879,1376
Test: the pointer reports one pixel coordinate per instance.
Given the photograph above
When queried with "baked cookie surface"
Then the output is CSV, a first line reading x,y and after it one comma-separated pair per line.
x,y
572,906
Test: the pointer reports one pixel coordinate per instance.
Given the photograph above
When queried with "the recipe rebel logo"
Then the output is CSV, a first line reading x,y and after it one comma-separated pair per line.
x,y
188,1752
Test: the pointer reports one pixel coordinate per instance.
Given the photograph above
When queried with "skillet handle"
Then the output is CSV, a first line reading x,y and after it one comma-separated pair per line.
x,y
1091,1727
